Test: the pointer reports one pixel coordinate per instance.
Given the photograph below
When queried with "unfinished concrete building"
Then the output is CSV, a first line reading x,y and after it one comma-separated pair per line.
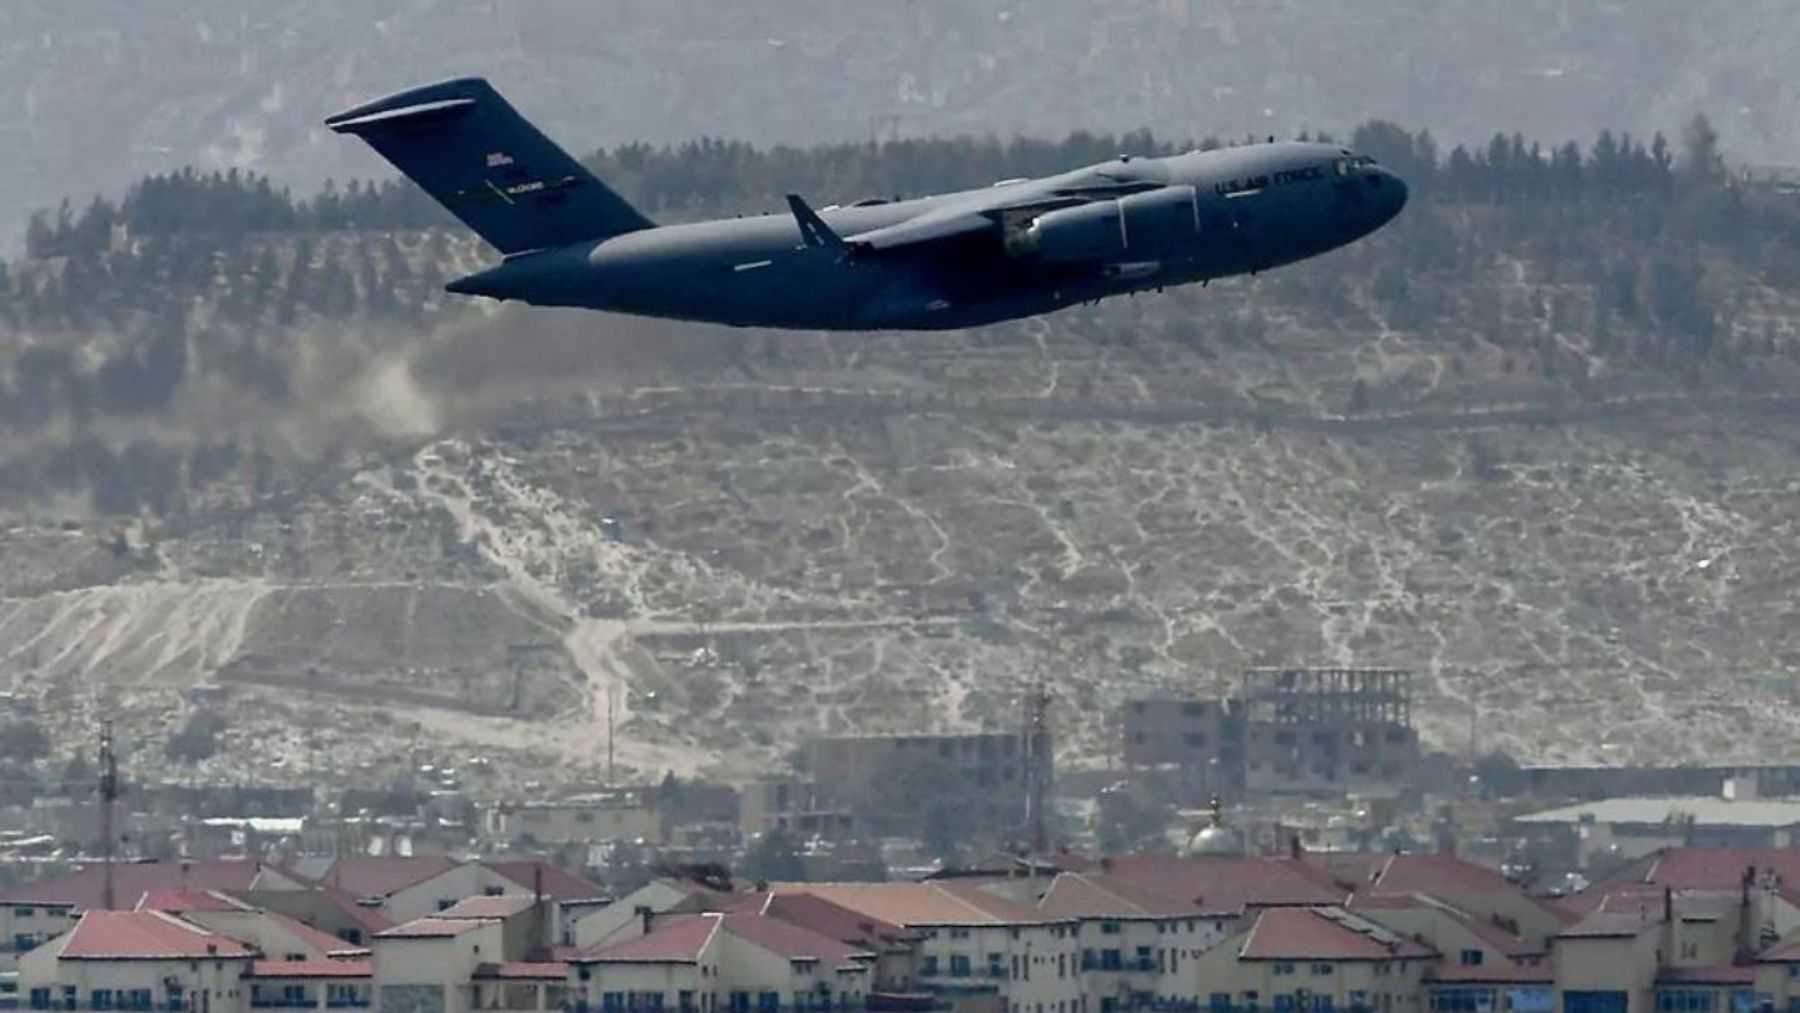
x,y
1324,730
1327,729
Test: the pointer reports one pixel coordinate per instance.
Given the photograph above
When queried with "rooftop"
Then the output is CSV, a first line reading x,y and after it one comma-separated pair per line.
x,y
144,935
432,928
1229,886
679,941
795,942
182,901
1077,894
935,902
85,888
365,876
556,882
854,928
1612,924
1324,933
504,906
1702,810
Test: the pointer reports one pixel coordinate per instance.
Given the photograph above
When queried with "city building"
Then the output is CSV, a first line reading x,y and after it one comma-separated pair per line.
x,y
592,817
892,784
1313,958
1288,730
1621,829
733,962
978,948
126,960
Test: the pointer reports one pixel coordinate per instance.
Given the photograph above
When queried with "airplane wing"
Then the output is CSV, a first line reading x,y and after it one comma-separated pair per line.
x,y
992,214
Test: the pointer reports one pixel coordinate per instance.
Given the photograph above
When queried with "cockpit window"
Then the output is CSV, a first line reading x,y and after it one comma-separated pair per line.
x,y
1352,163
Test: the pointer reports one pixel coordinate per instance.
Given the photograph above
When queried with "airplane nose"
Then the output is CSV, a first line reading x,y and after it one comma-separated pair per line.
x,y
1394,192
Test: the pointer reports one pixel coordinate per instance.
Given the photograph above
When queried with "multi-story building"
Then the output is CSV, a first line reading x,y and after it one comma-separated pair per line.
x,y
892,782
732,962
1328,729
594,817
136,960
1294,959
977,948
1286,730
1192,734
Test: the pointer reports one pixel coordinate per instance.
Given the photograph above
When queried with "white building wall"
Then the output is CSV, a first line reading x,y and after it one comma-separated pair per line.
x,y
439,892
1037,970
25,927
619,920
208,985
408,969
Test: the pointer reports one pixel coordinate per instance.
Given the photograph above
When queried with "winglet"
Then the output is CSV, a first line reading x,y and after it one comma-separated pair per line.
x,y
813,228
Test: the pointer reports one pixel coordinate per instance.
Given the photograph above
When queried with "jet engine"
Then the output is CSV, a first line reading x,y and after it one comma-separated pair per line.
x,y
1142,224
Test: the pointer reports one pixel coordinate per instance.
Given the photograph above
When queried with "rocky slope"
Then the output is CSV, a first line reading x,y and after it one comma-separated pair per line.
x,y
721,541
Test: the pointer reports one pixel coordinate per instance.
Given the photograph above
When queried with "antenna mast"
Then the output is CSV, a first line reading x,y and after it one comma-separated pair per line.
x,y
1038,766
109,793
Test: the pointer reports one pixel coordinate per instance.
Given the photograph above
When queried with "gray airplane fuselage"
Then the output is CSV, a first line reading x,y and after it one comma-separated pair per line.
x,y
1119,227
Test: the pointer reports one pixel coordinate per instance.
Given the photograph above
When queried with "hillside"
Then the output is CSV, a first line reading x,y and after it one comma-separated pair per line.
x,y
1535,442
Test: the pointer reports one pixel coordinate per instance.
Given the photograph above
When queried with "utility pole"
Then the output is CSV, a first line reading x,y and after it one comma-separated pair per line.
x,y
109,793
1037,772
612,698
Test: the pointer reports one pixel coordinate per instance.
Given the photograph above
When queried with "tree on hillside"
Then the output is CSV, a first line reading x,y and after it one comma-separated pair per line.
x,y
1702,161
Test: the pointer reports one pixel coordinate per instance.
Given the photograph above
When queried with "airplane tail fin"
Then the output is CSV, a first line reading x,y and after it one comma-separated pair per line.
x,y
472,152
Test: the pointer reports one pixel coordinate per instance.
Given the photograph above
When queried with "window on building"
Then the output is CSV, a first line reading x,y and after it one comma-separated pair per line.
x,y
769,1002
101,998
1471,999
25,912
996,967
959,965
1284,969
612,1001
1111,961
740,1002
1109,928
928,965
40,998
959,933
1595,1002
1219,1002
1144,960
444,905
1321,969
1471,958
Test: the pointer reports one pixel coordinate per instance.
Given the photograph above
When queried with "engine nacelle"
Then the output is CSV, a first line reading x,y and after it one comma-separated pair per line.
x,y
1141,225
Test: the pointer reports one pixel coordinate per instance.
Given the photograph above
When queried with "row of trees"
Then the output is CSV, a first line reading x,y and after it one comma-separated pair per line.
x,y
1652,250
722,177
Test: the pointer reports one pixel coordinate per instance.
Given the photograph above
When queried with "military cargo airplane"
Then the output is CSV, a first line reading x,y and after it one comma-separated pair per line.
x,y
1014,249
